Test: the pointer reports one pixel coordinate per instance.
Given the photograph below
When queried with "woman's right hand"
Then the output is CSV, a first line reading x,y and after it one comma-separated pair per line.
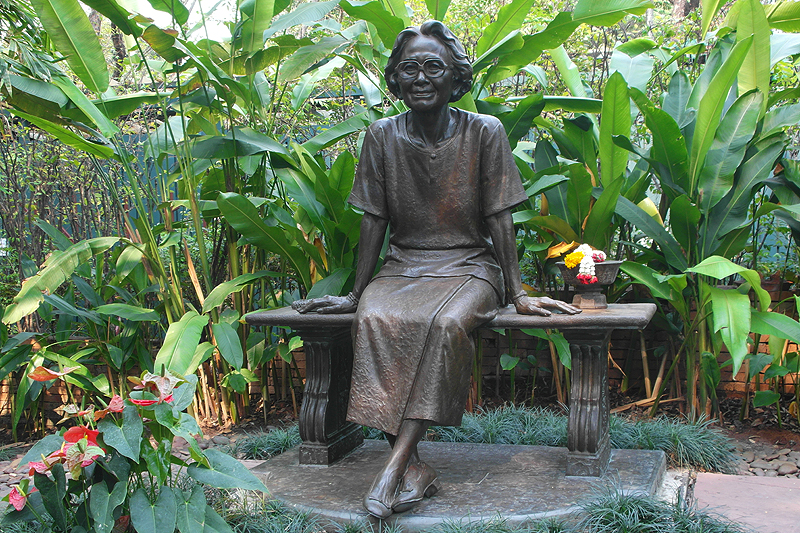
x,y
325,305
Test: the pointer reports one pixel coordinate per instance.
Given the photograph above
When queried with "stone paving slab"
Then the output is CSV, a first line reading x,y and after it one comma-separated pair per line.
x,y
479,482
768,505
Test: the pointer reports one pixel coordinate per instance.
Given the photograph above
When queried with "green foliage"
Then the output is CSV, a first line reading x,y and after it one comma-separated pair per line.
x,y
133,474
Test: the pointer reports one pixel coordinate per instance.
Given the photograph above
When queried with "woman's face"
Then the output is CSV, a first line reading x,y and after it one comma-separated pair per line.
x,y
425,74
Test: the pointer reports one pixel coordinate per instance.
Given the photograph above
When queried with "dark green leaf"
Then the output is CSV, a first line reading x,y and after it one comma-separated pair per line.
x,y
154,518
126,439
518,122
68,26
388,25
180,343
228,344
102,504
225,472
763,398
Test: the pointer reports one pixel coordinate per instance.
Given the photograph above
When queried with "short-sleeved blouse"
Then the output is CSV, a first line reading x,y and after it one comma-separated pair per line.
x,y
436,199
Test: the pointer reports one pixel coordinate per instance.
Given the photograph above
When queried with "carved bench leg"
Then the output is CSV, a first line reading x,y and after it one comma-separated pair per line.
x,y
326,434
587,440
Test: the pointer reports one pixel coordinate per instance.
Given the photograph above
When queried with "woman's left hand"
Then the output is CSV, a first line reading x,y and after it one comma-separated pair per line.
x,y
526,305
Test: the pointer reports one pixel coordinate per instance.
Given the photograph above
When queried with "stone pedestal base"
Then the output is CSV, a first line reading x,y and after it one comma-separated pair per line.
x,y
480,482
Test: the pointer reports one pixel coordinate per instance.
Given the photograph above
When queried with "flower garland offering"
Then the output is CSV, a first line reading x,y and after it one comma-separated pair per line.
x,y
584,257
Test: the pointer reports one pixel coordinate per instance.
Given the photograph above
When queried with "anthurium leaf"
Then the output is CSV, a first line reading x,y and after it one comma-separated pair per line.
x,y
225,472
191,511
102,504
53,494
129,312
183,394
70,30
126,439
159,517
562,348
508,362
180,343
45,446
731,316
228,344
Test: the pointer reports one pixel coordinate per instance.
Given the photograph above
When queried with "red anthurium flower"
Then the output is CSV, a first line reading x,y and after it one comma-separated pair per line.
x,y
36,466
116,405
41,373
143,403
74,434
17,499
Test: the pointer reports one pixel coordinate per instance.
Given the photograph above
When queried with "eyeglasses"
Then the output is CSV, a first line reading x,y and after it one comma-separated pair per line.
x,y
433,68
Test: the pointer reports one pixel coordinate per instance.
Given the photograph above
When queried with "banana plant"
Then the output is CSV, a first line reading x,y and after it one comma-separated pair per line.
x,y
716,143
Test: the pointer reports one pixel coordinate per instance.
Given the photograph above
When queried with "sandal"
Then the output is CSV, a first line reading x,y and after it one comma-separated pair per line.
x,y
420,481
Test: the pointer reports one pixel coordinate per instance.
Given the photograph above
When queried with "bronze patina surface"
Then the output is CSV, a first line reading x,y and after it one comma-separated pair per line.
x,y
443,182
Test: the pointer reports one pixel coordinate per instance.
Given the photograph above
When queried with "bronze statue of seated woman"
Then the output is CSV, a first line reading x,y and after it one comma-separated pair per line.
x,y
444,182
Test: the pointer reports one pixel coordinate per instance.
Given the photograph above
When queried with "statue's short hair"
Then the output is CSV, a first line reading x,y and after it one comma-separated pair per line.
x,y
462,68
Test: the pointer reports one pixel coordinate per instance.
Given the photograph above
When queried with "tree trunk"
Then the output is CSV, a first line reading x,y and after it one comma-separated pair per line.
x,y
681,8
96,21
120,51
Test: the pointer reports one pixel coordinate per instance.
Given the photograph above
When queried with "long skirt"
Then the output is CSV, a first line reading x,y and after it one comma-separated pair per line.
x,y
414,350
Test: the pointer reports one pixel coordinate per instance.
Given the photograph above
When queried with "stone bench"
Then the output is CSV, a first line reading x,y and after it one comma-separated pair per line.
x,y
328,436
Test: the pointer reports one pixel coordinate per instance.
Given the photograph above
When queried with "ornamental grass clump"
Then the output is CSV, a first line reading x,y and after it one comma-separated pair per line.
x,y
687,444
611,510
266,445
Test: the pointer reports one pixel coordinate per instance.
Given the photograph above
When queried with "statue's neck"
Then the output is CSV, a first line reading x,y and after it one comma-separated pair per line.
x,y
431,127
